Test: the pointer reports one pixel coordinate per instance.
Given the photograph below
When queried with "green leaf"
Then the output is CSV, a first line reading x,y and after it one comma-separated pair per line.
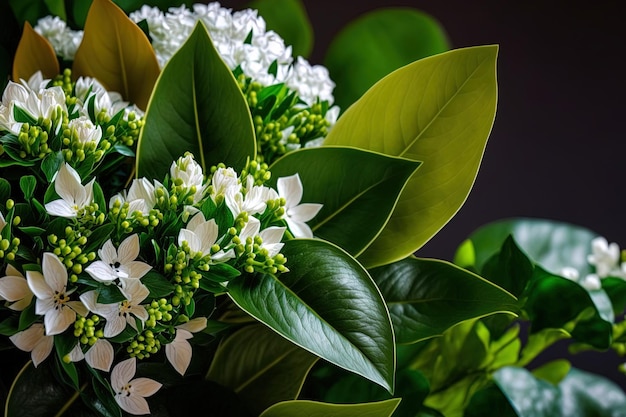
x,y
261,367
158,285
615,288
116,52
289,19
427,296
28,184
316,409
34,53
197,107
56,8
328,305
554,371
438,110
351,197
553,245
5,191
377,43
510,268
28,10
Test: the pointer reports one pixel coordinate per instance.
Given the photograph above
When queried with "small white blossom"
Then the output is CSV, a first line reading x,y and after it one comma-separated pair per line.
x,y
140,197
85,131
53,301
64,40
296,214
179,351
14,288
605,258
35,341
188,173
201,234
271,237
254,201
130,393
74,196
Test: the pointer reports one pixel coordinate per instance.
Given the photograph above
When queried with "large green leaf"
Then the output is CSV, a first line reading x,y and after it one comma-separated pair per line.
x,y
377,43
316,409
197,107
510,268
289,19
116,52
351,197
427,296
28,10
438,110
551,244
261,367
328,305
34,53
580,394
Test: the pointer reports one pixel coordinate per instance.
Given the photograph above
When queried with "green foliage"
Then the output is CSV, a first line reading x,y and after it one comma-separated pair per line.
x,y
289,19
313,306
438,110
196,107
427,296
316,409
377,43
352,197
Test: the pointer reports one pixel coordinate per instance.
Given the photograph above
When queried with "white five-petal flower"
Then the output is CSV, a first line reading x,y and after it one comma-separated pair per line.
x,y
74,196
130,393
53,301
14,289
118,263
35,341
201,235
296,214
179,351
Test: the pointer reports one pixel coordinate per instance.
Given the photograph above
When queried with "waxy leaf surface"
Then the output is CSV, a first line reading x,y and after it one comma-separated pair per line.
x,y
328,305
196,107
438,110
356,188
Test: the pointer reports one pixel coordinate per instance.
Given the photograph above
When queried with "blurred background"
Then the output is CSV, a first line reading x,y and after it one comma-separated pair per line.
x,y
557,146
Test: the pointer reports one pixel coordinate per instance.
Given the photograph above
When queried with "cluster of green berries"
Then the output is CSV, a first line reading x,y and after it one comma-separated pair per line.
x,y
127,221
33,140
143,345
70,250
88,329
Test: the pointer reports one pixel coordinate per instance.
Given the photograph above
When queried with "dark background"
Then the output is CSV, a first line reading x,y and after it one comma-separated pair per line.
x,y
557,146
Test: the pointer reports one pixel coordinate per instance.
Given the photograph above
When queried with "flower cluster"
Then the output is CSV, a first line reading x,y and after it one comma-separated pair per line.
x,y
110,283
607,261
290,99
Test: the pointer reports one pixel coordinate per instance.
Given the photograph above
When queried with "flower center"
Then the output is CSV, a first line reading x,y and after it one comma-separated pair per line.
x,y
59,299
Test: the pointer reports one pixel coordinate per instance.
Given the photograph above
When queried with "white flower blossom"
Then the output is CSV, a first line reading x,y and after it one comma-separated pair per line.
x,y
99,355
74,196
200,235
130,393
35,341
14,288
605,258
53,301
254,201
140,197
85,131
296,214
271,237
188,173
64,40
179,352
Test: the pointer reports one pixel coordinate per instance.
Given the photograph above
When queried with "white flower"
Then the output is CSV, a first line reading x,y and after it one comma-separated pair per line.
x,y
254,201
179,351
35,341
604,257
74,196
53,299
43,103
311,82
89,89
141,197
296,215
189,174
130,393
224,181
99,355
64,40
117,315
86,132
271,237
14,288
119,264
201,234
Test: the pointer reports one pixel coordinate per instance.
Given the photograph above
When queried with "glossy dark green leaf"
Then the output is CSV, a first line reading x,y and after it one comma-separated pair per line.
x,y
351,197
317,409
551,244
261,367
489,401
427,296
615,288
28,10
158,285
289,19
196,107
57,8
328,305
510,268
28,184
375,44
580,394
438,110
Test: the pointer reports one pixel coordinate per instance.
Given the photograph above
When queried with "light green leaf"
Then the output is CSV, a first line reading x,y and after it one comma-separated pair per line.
x,y
289,19
261,367
351,197
57,8
438,110
554,371
551,244
377,43
316,409
196,107
427,296
328,305
116,52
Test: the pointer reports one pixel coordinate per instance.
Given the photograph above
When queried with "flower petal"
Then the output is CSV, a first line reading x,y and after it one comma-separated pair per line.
x,y
42,350
145,387
115,325
68,186
195,325
54,272
128,249
78,307
56,321
179,351
38,285
100,355
304,212
14,288
60,208
133,404
299,229
108,253
122,373
26,340
290,188
136,269
101,272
